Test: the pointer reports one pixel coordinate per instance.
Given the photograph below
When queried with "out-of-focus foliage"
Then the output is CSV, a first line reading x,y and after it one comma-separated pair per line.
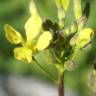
x,y
16,12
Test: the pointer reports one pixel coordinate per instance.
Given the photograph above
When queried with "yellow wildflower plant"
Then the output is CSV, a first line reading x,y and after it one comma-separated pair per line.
x,y
36,40
82,38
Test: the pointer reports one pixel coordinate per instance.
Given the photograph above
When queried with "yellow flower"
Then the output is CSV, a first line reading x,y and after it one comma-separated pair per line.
x,y
82,38
36,40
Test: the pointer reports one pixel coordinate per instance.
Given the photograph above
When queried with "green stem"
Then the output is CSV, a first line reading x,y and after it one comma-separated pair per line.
x,y
44,71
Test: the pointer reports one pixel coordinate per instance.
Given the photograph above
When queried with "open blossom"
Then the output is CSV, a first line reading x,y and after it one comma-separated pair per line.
x,y
36,39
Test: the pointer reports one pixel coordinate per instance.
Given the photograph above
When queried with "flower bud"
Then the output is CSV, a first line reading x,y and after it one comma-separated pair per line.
x,y
77,8
69,30
92,80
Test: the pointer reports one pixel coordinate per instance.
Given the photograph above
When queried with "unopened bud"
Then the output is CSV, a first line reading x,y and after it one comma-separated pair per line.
x,y
62,6
77,8
69,30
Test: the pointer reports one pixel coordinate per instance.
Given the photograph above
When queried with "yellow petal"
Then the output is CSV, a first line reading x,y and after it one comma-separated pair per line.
x,y
32,27
32,8
44,40
33,24
83,37
12,35
23,54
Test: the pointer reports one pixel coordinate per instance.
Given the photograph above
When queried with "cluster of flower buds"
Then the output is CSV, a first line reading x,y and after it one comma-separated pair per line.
x,y
67,40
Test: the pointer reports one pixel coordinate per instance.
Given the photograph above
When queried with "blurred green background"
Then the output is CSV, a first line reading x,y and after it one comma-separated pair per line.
x,y
15,13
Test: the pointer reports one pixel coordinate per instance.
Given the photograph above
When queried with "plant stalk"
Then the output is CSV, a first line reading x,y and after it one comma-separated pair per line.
x,y
60,85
